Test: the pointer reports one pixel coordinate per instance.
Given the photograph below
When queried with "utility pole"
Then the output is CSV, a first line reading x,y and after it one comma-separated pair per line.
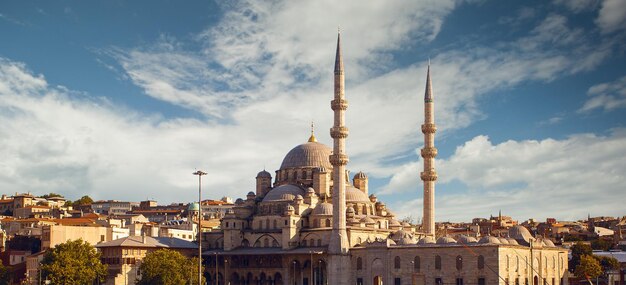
x,y
200,173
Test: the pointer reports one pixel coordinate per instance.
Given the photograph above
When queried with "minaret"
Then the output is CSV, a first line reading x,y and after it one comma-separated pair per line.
x,y
429,152
338,248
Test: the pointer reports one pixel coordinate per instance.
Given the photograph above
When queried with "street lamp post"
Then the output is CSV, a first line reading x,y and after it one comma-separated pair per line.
x,y
294,272
199,173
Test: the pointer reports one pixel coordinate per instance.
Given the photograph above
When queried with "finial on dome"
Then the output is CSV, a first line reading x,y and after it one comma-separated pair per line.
x,y
312,138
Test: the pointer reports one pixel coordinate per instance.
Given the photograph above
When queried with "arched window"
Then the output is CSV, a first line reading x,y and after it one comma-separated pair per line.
x,y
304,243
396,262
328,222
245,243
364,210
275,243
553,262
517,263
275,226
459,262
266,242
319,242
507,262
416,264
359,263
481,262
438,262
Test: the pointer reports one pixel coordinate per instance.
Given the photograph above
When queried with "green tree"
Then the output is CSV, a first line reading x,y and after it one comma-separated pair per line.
x,y
168,267
588,268
600,244
5,275
74,262
85,200
50,195
579,249
607,263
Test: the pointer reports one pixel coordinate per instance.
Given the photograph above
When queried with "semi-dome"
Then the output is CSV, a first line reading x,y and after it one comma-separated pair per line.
x,y
466,239
503,240
446,240
355,195
489,239
285,192
310,154
263,174
324,209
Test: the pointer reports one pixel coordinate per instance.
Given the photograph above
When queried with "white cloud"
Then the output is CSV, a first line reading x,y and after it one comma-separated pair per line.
x,y
612,16
607,96
548,178
578,6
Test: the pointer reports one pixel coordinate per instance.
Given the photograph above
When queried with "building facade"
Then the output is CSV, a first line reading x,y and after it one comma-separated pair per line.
x,y
314,224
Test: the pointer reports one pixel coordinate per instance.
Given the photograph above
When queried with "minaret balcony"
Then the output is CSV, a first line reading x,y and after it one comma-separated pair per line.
x,y
429,152
429,175
429,128
339,104
338,132
338,159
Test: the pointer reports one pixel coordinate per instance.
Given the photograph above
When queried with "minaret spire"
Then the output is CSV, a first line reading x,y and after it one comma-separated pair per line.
x,y
312,137
429,152
339,260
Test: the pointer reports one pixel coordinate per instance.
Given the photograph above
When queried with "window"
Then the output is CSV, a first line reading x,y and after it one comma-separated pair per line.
x,y
359,263
459,262
319,242
359,281
481,262
275,226
416,264
459,281
516,281
304,243
397,281
328,222
438,281
438,262
266,242
286,222
396,262
481,281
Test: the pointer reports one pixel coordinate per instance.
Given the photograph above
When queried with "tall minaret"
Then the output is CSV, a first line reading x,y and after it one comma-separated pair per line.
x,y
429,152
339,260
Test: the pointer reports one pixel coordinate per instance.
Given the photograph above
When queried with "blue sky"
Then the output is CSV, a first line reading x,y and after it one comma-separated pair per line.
x,y
123,100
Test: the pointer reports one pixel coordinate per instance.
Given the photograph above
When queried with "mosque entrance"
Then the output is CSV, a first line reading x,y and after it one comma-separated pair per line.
x,y
378,280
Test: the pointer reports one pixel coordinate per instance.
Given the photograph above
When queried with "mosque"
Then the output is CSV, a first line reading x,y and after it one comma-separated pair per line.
x,y
314,224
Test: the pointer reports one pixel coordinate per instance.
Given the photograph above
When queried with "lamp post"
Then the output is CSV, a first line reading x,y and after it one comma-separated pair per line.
x,y
294,272
199,173
226,281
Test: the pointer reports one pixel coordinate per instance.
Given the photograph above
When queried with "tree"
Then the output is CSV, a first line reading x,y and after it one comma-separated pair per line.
x,y
85,200
73,262
50,195
588,268
578,250
600,244
5,275
168,267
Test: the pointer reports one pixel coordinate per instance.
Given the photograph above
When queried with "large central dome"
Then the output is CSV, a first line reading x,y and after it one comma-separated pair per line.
x,y
310,154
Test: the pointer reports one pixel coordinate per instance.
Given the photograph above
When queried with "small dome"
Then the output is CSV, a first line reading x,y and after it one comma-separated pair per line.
x,y
310,190
263,174
406,241
394,223
193,207
285,192
310,154
445,240
251,193
426,240
512,241
489,239
350,210
367,220
520,234
355,195
466,239
400,234
323,209
406,224
360,175
503,240
299,197
239,201
290,208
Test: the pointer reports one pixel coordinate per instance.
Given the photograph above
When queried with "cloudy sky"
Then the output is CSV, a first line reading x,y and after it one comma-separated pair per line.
x,y
124,100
